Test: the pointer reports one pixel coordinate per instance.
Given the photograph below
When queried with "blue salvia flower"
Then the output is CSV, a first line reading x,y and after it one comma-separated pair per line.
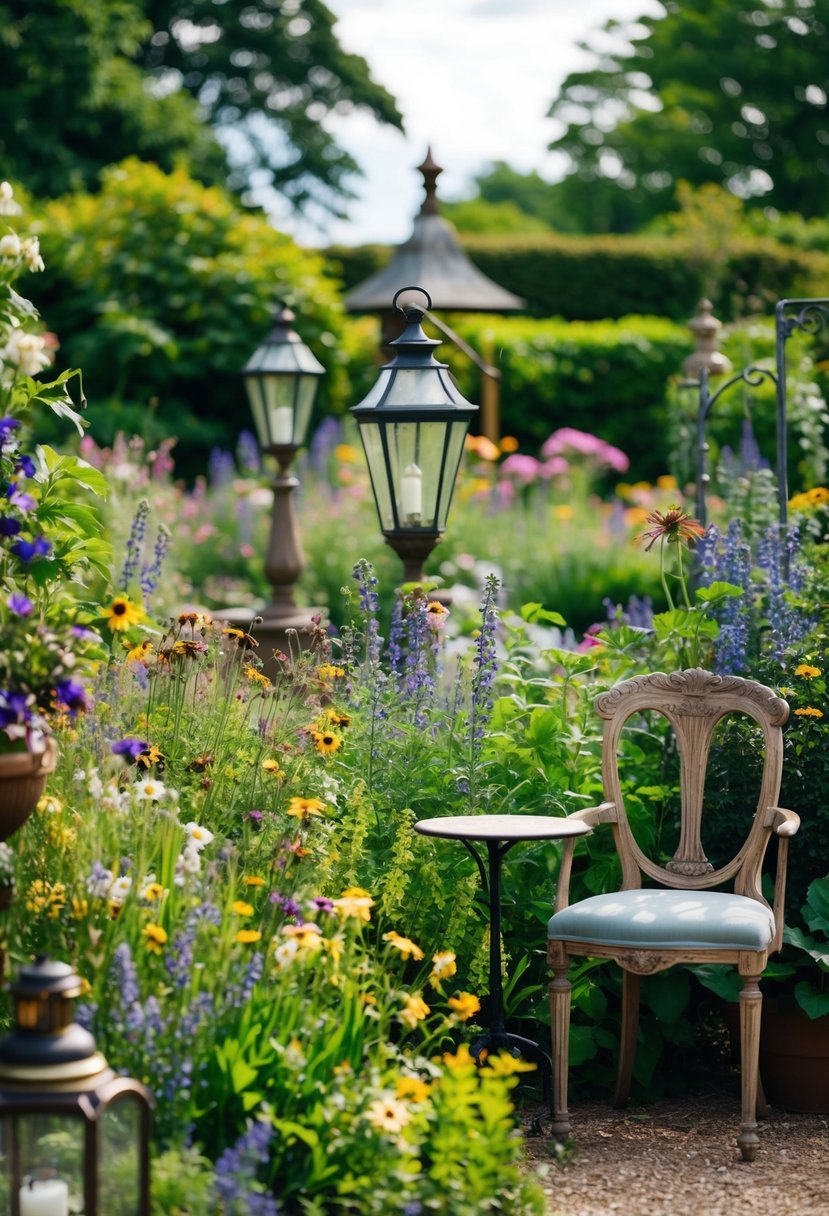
x,y
247,452
484,664
236,1172
325,438
135,544
221,468
419,678
394,650
369,603
727,558
151,573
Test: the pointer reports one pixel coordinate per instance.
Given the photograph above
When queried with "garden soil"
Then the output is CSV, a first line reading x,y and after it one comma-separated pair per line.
x,y
678,1157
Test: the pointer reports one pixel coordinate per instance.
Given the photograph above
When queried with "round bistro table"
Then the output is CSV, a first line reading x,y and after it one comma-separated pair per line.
x,y
499,833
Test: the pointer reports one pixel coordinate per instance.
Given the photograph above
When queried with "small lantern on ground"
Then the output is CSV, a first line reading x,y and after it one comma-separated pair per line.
x,y
281,378
75,1135
413,424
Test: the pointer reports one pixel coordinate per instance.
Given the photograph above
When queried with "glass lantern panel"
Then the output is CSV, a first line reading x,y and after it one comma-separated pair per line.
x,y
257,408
371,436
417,386
306,391
51,1156
454,452
278,394
119,1157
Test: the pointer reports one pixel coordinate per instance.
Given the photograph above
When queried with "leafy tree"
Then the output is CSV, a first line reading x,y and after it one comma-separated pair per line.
x,y
84,84
726,91
476,215
160,289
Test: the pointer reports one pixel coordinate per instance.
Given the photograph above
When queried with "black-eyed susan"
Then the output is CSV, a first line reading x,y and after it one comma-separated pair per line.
x,y
807,671
271,767
142,653
255,675
155,938
122,614
241,907
242,639
326,742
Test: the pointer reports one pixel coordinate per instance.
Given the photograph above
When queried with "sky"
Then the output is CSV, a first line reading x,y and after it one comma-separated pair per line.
x,y
472,78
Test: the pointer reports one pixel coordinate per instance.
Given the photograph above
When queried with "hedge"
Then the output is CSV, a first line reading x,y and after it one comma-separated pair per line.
x,y
591,278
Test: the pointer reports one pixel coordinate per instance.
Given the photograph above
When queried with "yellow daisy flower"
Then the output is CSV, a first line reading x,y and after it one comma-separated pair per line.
x,y
272,767
253,880
354,903
241,908
412,1088
464,1005
807,671
155,938
809,712
406,947
248,936
301,808
123,614
327,671
326,742
443,966
414,1010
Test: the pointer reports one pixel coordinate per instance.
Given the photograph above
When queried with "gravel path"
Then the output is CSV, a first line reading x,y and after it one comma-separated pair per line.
x,y
679,1158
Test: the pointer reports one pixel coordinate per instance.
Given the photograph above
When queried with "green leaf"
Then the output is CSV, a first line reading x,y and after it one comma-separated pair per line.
x,y
815,1004
668,993
582,1044
718,591
533,613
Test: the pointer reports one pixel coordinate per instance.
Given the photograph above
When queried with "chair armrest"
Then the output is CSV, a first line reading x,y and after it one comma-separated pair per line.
x,y
591,815
781,821
784,824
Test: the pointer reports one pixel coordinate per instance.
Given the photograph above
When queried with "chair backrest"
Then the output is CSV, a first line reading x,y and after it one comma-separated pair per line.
x,y
693,701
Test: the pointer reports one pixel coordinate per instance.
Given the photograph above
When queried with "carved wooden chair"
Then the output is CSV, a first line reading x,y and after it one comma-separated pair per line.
x,y
680,918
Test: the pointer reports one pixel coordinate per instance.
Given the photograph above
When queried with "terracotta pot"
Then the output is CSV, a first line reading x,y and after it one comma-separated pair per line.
x,y
794,1058
22,781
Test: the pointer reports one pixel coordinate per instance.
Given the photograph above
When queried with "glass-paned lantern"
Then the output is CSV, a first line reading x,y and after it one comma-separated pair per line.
x,y
281,378
413,424
74,1136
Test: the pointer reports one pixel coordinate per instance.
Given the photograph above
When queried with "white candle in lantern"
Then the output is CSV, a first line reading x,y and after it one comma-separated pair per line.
x,y
411,493
44,1197
282,424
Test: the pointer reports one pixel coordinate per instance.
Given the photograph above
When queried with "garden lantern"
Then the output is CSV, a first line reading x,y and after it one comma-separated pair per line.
x,y
281,378
413,424
75,1135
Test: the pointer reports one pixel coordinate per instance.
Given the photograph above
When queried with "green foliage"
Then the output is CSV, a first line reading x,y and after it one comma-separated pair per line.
x,y
593,278
479,216
165,79
727,92
161,288
607,378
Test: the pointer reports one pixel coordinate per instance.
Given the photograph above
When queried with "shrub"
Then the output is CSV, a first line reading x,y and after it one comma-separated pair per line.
x,y
161,289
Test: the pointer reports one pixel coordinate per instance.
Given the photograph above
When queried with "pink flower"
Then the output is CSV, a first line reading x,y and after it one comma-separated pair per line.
x,y
556,466
568,439
523,468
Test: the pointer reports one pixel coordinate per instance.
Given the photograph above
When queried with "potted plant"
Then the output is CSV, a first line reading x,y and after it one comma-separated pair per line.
x,y
49,538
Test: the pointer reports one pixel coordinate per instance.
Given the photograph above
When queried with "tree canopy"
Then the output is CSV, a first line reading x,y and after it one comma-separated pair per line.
x,y
84,84
726,91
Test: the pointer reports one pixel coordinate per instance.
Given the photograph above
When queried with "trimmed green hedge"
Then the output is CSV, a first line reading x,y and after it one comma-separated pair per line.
x,y
590,278
607,377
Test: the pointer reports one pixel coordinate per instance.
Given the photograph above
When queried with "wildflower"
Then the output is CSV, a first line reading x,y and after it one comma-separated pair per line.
x,y
436,614
809,712
241,908
505,1065
201,762
509,444
10,245
286,952
152,890
807,671
197,836
253,880
150,755
354,903
272,767
413,1088
326,742
464,1005
28,550
129,747
346,453
327,671
414,1010
155,938
675,526
443,966
406,947
460,1060
388,1115
301,808
20,604
49,805
123,614
307,937
248,936
256,677
140,653
243,640
148,790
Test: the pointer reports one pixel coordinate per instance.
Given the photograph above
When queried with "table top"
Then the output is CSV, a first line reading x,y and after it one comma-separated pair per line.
x,y
502,827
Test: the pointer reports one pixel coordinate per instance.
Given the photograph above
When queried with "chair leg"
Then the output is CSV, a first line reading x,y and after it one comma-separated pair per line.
x,y
560,988
751,1008
631,985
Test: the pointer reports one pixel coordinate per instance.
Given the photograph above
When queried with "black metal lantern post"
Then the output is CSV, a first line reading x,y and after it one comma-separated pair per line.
x,y
281,377
413,424
75,1135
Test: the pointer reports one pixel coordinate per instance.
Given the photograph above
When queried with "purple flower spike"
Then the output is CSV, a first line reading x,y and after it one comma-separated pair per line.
x,y
20,604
